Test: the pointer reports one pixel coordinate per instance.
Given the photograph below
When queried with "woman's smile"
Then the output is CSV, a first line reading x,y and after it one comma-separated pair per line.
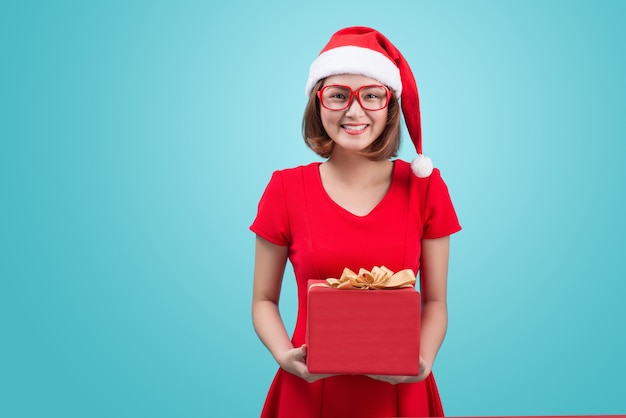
x,y
353,129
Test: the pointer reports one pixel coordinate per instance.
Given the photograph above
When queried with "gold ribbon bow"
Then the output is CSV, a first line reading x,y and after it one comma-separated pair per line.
x,y
378,278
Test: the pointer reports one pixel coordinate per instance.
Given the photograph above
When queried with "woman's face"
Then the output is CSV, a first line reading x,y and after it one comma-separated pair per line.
x,y
353,129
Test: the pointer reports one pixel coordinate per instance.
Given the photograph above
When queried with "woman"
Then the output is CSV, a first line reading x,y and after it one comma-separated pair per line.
x,y
359,208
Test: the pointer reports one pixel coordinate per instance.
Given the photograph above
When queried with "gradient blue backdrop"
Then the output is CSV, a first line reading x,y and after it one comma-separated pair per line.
x,y
137,138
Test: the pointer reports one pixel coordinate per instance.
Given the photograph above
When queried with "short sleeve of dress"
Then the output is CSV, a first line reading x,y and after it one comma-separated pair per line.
x,y
272,222
440,218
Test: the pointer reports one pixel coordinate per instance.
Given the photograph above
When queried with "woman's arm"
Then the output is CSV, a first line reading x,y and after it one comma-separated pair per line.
x,y
434,271
269,266
434,274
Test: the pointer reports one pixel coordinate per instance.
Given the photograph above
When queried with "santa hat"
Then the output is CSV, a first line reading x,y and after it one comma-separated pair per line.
x,y
365,51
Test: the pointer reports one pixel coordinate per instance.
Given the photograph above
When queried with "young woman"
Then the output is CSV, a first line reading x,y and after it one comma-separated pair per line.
x,y
358,209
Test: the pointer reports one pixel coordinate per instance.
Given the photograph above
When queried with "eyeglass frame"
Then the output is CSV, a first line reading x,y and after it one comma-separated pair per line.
x,y
353,94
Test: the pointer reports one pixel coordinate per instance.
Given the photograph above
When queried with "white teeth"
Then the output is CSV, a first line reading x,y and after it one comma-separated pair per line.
x,y
354,128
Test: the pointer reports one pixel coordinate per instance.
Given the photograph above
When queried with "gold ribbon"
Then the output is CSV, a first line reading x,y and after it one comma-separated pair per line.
x,y
378,278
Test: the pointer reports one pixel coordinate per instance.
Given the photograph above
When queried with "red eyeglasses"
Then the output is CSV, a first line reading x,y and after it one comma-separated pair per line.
x,y
370,97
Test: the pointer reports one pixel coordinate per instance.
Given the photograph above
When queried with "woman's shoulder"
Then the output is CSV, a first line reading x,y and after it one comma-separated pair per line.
x,y
297,172
299,169
404,171
292,178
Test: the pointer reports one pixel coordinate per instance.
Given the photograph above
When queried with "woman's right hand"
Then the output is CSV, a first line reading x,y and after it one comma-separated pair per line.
x,y
293,361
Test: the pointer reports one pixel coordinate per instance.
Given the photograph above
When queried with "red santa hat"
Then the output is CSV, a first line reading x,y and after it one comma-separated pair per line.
x,y
365,51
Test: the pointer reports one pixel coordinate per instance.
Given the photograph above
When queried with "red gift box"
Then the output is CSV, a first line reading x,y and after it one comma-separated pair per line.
x,y
363,331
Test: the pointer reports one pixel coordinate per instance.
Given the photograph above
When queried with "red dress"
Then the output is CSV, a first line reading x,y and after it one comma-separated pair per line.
x,y
323,238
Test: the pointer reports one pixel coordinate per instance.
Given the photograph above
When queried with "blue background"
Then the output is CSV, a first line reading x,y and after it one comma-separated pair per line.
x,y
137,138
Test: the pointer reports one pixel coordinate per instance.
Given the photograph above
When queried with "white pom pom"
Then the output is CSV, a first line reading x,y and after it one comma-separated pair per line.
x,y
422,166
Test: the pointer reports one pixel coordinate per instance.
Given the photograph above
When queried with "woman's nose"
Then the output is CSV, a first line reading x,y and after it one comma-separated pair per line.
x,y
354,108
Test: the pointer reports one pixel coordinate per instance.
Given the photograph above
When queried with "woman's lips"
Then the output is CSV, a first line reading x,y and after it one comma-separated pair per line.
x,y
354,129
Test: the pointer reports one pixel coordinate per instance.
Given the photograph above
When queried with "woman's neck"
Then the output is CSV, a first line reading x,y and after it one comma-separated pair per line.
x,y
356,184
355,170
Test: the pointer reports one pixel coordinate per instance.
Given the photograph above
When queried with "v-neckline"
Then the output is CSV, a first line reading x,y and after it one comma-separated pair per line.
x,y
394,173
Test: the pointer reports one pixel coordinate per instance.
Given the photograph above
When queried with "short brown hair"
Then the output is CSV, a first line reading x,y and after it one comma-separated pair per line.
x,y
316,138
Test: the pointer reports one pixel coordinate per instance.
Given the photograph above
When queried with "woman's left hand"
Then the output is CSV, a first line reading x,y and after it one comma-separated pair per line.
x,y
425,370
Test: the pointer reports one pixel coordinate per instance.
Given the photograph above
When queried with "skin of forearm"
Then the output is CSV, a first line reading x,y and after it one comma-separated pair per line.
x,y
269,327
433,329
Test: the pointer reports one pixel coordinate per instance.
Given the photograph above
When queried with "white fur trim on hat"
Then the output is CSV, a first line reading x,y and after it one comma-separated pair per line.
x,y
355,60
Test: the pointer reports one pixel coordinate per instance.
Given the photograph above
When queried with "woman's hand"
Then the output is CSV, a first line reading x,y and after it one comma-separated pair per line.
x,y
425,370
293,361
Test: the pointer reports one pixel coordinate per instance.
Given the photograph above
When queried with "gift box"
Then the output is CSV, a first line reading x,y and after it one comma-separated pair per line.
x,y
362,331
